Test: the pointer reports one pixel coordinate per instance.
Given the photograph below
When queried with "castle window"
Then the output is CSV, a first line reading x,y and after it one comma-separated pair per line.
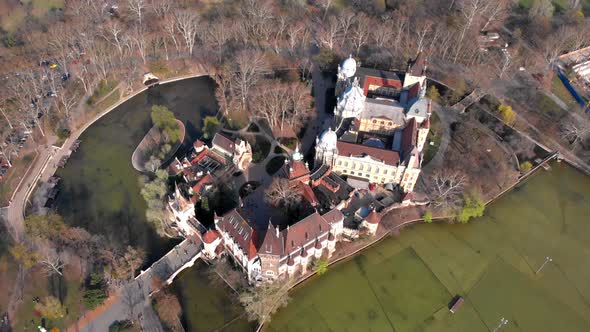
x,y
390,123
382,122
339,162
374,121
351,172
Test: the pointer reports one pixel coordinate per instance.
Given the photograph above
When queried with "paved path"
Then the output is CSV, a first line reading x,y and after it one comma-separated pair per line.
x,y
322,119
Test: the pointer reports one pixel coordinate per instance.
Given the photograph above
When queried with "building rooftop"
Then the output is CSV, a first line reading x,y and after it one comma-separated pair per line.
x,y
388,157
310,228
384,109
224,142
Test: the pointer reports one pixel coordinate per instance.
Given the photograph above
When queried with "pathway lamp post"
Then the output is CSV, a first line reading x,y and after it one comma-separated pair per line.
x,y
503,321
547,260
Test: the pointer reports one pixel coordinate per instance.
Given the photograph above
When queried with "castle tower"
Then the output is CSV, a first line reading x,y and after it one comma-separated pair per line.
x,y
416,72
326,148
345,73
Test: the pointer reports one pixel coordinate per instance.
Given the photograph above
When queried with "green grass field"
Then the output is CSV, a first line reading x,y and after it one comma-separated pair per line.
x,y
434,136
561,91
406,283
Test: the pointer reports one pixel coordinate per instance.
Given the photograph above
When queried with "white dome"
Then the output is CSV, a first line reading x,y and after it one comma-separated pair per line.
x,y
328,140
348,67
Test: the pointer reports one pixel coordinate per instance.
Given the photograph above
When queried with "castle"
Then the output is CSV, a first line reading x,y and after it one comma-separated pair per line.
x,y
379,131
381,123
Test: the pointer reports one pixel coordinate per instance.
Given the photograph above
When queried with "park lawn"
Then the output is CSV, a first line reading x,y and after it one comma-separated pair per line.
x,y
42,7
505,292
237,120
13,18
160,69
547,107
562,92
38,284
109,101
260,146
103,88
8,272
434,136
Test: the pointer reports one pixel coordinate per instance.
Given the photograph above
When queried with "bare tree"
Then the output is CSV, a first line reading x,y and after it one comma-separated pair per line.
x,y
447,187
169,26
66,101
52,262
282,192
496,13
361,31
136,7
575,129
161,7
327,33
249,67
113,33
187,23
139,39
470,9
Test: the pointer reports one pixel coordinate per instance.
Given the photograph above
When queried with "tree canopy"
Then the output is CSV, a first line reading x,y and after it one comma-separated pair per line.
x,y
165,120
473,206
260,302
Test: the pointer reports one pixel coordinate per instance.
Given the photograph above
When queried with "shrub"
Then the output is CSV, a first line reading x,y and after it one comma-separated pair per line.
x,y
433,94
321,266
92,298
473,206
507,114
427,217
210,126
526,166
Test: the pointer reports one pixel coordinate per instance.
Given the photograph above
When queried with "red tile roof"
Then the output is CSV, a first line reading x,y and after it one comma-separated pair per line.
x,y
389,157
409,136
204,181
298,169
200,156
210,236
414,91
273,243
333,216
239,230
306,230
198,144
223,142
305,190
418,66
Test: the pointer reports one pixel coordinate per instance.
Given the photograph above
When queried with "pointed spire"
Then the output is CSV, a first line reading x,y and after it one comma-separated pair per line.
x,y
277,231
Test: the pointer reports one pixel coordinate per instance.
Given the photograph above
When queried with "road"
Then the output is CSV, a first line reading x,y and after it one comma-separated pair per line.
x,y
320,86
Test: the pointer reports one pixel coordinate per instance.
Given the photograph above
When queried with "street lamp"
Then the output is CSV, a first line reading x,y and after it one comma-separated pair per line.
x,y
503,321
547,260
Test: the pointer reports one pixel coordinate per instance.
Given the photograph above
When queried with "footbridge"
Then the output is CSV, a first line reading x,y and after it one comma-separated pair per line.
x,y
132,300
